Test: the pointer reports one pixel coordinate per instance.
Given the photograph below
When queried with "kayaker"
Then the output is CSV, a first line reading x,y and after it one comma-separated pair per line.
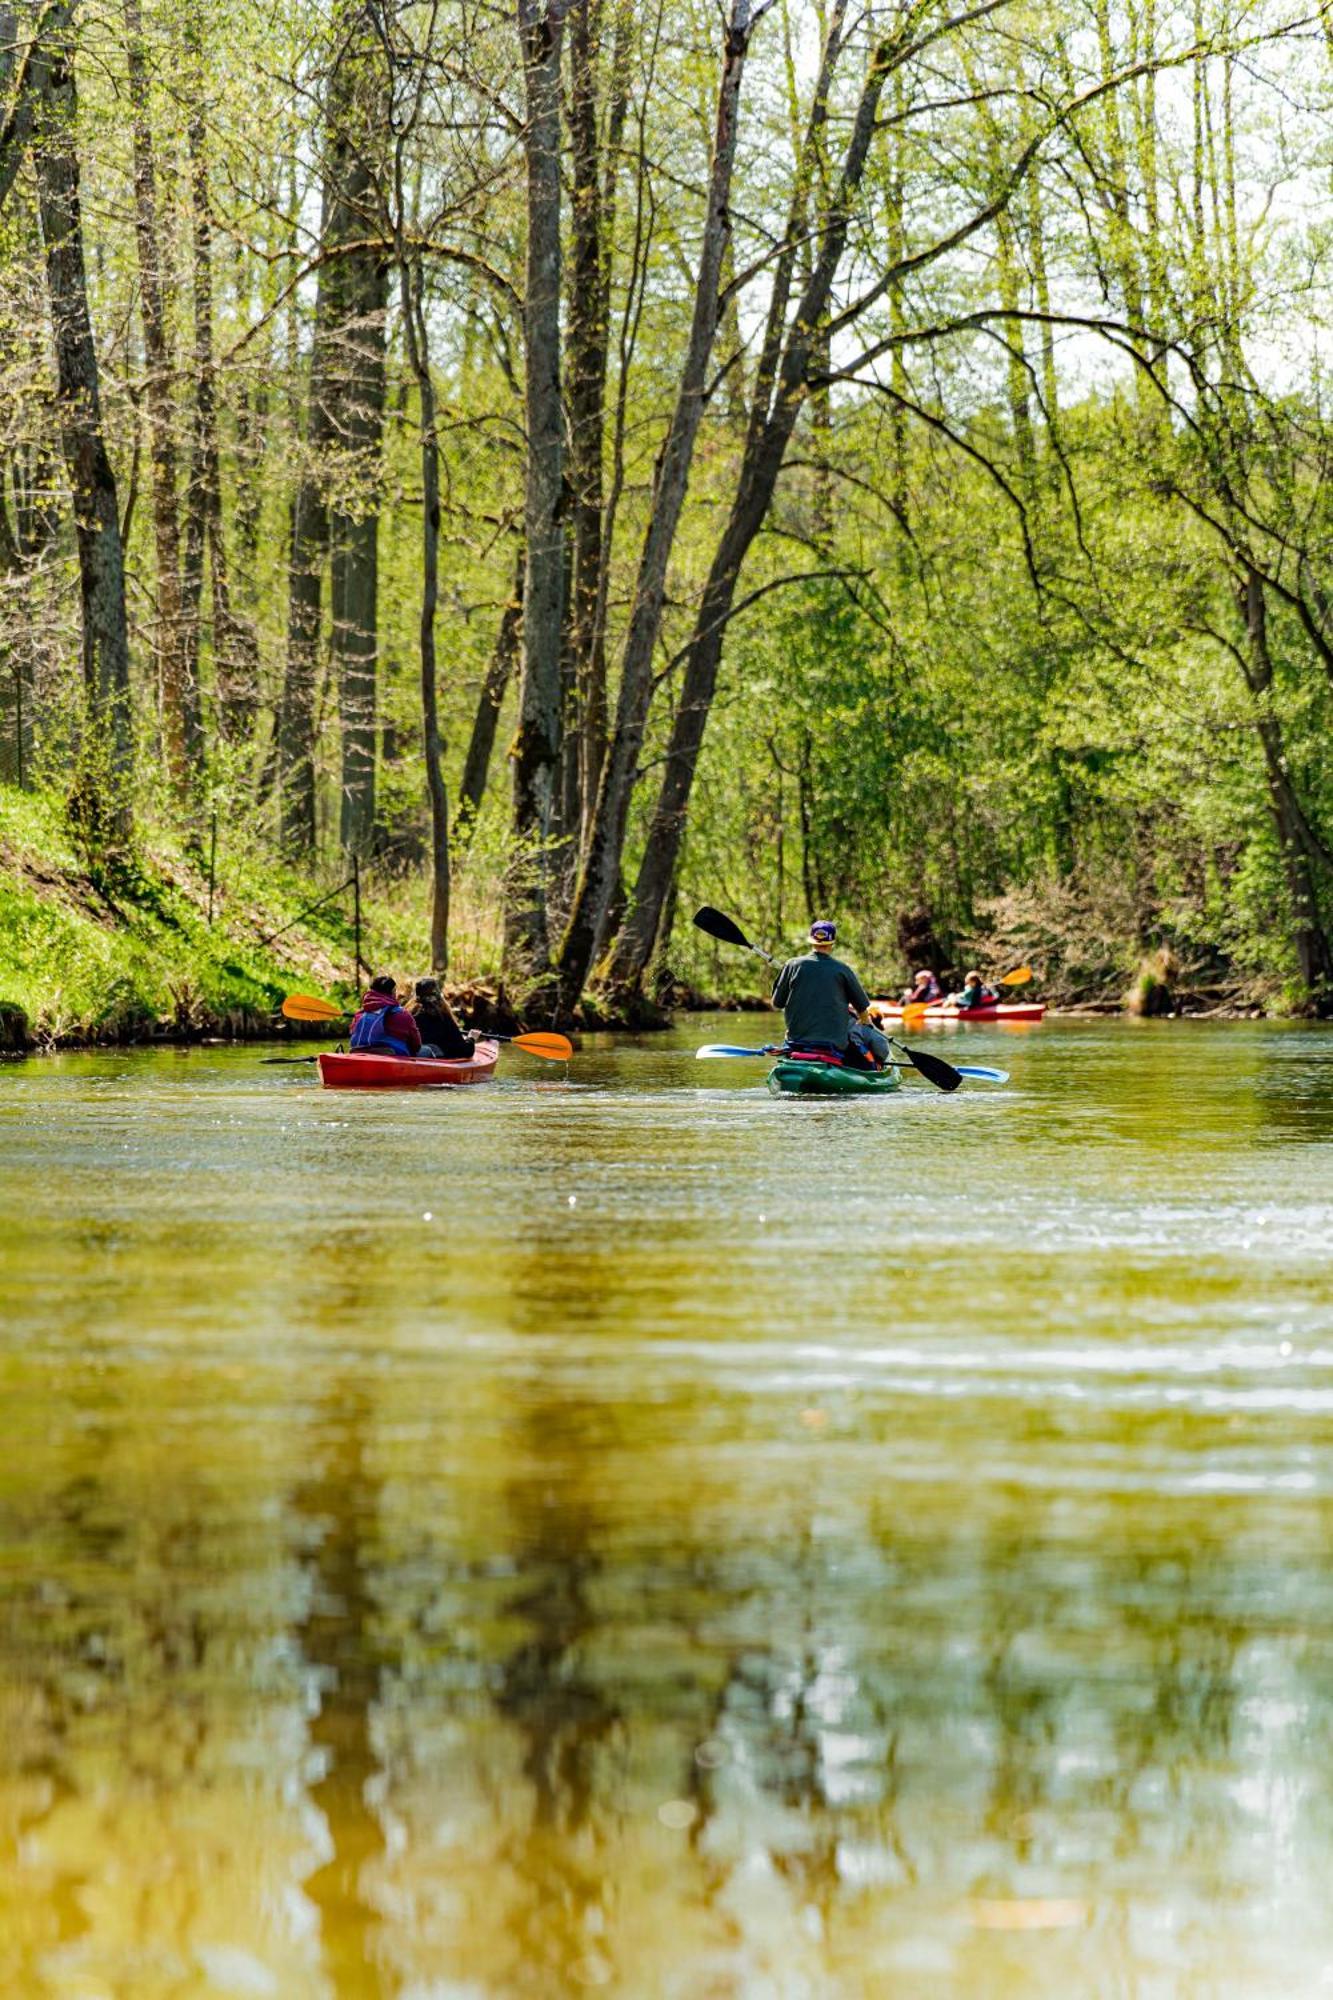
x,y
819,997
439,1029
382,1024
974,993
924,988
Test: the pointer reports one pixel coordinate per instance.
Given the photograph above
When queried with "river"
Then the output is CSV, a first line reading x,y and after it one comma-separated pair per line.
x,y
615,1531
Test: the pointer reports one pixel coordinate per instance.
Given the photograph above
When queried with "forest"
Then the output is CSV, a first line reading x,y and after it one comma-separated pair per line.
x,y
558,462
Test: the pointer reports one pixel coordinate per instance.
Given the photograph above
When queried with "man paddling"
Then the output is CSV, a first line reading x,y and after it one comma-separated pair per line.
x,y
818,996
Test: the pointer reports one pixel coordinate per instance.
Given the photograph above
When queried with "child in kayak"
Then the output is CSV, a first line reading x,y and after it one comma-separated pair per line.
x,y
819,997
382,1026
438,1028
974,993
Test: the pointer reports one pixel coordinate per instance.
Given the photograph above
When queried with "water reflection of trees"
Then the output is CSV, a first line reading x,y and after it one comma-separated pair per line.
x,y
521,1603
336,1513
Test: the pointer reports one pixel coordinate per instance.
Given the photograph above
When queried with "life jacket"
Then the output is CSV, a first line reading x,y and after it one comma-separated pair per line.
x,y
369,1032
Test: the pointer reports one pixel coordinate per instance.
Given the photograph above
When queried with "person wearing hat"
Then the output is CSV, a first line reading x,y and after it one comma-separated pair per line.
x,y
974,993
925,988
436,1023
819,996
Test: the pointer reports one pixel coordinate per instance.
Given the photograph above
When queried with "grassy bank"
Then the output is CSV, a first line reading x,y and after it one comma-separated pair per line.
x,y
126,951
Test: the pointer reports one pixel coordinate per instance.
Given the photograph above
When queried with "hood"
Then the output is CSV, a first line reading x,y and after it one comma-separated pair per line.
x,y
378,1003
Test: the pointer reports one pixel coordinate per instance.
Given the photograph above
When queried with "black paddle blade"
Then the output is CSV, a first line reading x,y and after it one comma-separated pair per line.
x,y
288,1059
720,927
935,1070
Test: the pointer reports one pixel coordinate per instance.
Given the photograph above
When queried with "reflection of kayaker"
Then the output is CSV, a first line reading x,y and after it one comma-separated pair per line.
x,y
815,993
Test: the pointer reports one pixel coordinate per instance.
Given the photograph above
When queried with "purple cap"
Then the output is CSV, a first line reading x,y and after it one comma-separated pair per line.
x,y
822,931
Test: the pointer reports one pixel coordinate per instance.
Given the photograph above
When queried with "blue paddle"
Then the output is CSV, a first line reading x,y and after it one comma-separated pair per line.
x,y
981,1070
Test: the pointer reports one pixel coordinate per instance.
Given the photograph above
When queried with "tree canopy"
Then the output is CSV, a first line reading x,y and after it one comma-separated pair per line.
x,y
586,457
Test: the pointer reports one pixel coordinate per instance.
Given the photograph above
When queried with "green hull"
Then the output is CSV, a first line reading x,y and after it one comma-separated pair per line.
x,y
799,1079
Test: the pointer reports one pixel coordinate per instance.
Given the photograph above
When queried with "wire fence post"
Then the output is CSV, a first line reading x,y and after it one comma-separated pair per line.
x,y
356,916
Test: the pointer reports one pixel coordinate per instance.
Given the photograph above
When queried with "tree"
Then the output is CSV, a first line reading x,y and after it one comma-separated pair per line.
x,y
103,793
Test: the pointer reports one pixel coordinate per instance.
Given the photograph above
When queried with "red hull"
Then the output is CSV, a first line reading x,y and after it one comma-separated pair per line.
x,y
364,1070
1027,1010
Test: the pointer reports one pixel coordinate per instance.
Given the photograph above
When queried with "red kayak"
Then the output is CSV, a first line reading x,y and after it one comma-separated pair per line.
x,y
363,1069
1003,1010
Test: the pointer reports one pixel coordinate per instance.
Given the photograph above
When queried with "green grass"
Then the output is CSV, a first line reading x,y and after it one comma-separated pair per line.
x,y
126,951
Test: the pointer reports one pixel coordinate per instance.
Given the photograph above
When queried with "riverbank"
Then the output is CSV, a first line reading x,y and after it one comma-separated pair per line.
x,y
168,947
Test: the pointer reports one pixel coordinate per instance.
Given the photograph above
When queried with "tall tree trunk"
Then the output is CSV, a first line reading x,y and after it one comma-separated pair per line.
x,y
1310,935
599,876
494,686
343,429
536,752
418,357
780,392
589,321
358,115
105,777
181,734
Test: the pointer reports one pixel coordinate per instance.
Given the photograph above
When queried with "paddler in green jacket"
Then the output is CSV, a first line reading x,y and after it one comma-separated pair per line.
x,y
819,996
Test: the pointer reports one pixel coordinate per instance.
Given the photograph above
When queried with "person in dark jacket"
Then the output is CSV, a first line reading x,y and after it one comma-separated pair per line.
x,y
821,998
382,1025
439,1029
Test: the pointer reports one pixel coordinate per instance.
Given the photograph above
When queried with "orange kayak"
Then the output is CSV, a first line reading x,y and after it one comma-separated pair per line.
x,y
1003,1010
363,1069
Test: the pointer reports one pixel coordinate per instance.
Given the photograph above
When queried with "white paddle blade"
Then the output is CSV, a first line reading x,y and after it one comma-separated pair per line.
x,y
713,1050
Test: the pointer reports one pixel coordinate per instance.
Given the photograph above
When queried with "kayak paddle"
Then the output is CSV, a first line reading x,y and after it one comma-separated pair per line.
x,y
551,1048
983,1071
721,927
306,1007
942,1074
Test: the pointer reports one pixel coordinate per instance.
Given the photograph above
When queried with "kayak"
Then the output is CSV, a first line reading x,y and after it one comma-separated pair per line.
x,y
363,1069
789,1078
1004,1010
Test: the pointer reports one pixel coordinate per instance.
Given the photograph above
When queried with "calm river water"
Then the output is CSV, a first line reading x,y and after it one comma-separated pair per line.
x,y
620,1532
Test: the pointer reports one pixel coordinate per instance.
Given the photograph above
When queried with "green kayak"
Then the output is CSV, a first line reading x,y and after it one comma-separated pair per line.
x,y
811,1079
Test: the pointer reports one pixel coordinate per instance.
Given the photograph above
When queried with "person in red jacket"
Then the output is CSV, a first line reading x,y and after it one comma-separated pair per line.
x,y
382,1025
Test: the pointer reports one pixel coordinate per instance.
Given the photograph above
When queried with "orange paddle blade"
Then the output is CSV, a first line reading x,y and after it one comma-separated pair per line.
x,y
551,1048
306,1007
914,1011
1018,977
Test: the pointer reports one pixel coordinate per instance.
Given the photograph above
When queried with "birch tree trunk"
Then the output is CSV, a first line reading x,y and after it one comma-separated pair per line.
x,y
599,876
178,701
106,761
536,752
418,357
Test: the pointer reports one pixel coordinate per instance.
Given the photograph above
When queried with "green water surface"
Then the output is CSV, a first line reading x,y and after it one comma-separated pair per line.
x,y
619,1531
